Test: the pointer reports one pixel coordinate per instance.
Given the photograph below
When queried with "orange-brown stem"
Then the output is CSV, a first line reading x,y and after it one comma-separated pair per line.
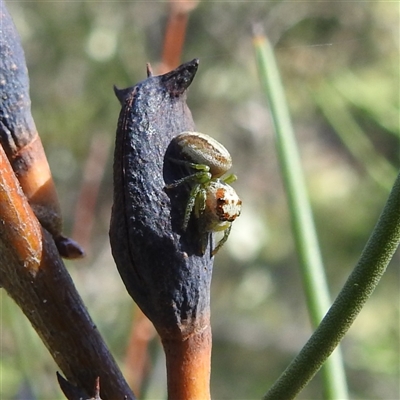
x,y
175,33
23,231
35,277
33,172
174,39
189,366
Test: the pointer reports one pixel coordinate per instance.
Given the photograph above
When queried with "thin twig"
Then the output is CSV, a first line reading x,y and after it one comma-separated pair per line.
x,y
33,274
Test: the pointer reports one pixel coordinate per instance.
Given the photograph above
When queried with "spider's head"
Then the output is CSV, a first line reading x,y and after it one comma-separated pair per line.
x,y
222,205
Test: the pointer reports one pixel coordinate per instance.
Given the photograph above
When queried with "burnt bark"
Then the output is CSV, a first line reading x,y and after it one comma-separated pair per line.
x,y
21,141
159,263
31,270
34,276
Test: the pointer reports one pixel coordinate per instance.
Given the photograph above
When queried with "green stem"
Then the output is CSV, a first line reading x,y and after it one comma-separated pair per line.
x,y
316,289
374,259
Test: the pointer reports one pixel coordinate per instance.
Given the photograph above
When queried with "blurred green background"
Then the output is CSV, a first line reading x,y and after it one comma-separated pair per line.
x,y
340,67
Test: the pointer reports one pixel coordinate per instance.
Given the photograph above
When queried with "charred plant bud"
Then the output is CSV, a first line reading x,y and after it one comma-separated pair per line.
x,y
19,137
122,94
161,270
68,248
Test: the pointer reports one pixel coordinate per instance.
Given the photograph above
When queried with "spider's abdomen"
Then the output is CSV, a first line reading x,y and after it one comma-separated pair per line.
x,y
199,148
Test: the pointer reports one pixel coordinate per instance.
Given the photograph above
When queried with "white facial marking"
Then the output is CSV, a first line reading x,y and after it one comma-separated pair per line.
x,y
230,204
222,202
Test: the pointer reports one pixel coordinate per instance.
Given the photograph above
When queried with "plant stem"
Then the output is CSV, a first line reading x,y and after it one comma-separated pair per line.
x,y
35,277
189,366
316,288
374,259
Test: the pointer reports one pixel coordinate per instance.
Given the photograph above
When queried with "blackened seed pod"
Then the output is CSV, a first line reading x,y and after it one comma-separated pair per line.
x,y
160,271
20,139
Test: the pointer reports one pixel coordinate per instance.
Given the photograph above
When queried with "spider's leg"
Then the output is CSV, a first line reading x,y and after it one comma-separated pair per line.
x,y
188,164
200,204
190,204
199,177
230,178
223,240
204,241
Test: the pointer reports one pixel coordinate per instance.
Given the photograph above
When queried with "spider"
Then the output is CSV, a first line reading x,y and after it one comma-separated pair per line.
x,y
212,201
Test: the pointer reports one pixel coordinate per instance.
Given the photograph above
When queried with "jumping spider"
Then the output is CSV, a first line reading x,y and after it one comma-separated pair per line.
x,y
213,202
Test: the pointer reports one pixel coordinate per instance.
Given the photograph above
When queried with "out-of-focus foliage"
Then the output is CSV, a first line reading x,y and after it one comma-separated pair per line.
x,y
76,51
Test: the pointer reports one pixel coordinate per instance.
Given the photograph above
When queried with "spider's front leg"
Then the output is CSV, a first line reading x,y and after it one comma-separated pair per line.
x,y
191,204
227,231
203,175
198,177
200,202
229,179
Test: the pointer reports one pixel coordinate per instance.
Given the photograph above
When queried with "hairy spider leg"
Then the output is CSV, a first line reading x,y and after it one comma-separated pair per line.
x,y
190,204
190,165
227,231
200,202
203,175
198,177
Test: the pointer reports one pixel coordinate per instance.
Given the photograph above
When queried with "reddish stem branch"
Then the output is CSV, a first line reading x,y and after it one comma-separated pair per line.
x,y
33,274
174,39
189,366
175,33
